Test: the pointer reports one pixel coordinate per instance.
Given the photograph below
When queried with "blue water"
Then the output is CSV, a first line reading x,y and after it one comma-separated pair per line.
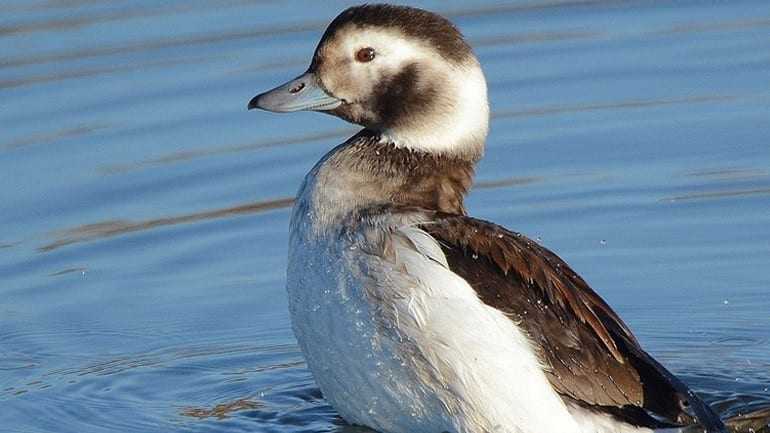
x,y
144,211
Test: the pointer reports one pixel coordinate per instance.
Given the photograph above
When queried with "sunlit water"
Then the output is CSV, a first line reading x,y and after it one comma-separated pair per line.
x,y
143,210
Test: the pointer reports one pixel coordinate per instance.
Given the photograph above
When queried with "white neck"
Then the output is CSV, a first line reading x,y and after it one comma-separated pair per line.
x,y
459,122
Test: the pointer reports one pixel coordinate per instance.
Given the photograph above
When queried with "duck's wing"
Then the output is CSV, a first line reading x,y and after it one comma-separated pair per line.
x,y
592,358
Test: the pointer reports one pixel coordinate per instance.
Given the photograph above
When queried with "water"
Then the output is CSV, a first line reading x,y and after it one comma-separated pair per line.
x,y
143,210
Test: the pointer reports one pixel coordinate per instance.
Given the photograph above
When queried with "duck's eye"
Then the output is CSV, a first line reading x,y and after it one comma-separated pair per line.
x,y
365,55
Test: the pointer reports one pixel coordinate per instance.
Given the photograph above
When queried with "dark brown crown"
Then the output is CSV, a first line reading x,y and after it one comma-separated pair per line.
x,y
412,22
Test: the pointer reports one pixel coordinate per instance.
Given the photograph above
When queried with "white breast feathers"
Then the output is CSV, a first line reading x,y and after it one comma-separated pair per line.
x,y
399,342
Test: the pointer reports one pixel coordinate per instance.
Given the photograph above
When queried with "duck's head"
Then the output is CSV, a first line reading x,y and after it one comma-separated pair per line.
x,y
403,72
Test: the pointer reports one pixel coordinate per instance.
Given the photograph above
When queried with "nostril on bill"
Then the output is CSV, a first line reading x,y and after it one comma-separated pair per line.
x,y
297,88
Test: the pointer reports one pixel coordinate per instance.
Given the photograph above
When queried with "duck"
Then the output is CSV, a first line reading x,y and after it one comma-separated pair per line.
x,y
415,317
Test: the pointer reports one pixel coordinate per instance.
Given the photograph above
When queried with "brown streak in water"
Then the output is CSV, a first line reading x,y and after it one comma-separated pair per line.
x,y
51,4
67,271
19,82
222,410
265,32
717,194
537,6
81,21
223,150
509,181
262,369
102,71
59,76
296,62
532,37
118,227
717,26
612,105
48,137
729,173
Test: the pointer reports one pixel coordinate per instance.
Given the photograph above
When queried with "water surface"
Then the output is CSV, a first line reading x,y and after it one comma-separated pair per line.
x,y
144,211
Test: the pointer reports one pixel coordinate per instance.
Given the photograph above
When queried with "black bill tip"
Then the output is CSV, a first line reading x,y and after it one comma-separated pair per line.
x,y
254,103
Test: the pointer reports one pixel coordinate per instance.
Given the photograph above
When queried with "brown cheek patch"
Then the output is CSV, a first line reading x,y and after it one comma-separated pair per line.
x,y
402,96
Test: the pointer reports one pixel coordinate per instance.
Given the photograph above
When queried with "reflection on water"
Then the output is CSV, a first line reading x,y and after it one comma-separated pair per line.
x,y
731,173
67,271
49,137
545,111
114,228
718,194
143,210
222,410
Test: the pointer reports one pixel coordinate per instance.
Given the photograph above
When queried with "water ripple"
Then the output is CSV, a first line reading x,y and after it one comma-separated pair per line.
x,y
713,195
106,229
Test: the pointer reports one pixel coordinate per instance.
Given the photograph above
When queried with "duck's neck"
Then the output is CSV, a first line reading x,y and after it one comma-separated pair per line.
x,y
367,172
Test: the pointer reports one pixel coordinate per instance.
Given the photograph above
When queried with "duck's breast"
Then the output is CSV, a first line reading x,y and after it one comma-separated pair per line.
x,y
400,343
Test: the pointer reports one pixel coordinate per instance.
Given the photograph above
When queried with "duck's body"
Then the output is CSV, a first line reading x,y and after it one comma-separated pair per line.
x,y
396,340
413,316
411,321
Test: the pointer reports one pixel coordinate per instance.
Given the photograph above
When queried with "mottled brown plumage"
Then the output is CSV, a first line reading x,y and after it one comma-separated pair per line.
x,y
405,177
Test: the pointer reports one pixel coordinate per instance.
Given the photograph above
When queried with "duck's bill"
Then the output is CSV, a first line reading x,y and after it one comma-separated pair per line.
x,y
301,93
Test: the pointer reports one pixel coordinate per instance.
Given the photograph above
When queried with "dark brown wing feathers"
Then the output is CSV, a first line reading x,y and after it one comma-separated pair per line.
x,y
512,252
600,366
